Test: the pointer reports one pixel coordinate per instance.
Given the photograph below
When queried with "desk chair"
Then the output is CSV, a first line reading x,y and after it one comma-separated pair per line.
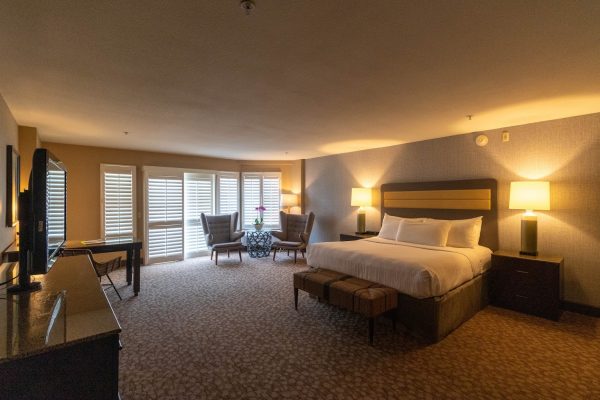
x,y
101,268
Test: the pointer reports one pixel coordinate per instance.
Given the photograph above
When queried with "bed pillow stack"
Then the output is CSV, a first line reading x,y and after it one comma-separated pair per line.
x,y
432,232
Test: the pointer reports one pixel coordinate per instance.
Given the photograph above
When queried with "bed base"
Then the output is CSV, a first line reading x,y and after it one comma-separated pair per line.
x,y
434,318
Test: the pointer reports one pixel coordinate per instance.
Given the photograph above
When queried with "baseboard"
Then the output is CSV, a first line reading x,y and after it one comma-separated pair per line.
x,y
581,309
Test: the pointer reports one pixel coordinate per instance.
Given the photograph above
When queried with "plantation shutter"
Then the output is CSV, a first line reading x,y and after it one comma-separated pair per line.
x,y
199,198
118,199
271,198
251,198
228,193
261,189
56,206
164,218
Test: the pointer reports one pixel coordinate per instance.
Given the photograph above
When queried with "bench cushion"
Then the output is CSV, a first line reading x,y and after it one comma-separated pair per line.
x,y
341,293
374,301
316,281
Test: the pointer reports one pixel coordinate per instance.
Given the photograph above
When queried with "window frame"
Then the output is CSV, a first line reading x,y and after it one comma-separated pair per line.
x,y
117,168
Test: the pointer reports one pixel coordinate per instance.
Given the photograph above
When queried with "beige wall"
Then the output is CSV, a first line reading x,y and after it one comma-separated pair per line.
x,y
83,164
8,135
566,152
28,142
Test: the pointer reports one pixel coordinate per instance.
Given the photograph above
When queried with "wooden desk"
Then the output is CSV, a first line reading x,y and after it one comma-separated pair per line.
x,y
132,246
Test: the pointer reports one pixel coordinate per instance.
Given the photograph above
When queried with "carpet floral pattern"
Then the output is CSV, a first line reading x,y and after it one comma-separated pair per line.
x,y
200,331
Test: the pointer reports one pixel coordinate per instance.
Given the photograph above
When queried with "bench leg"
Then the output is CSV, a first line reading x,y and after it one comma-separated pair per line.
x,y
296,298
371,330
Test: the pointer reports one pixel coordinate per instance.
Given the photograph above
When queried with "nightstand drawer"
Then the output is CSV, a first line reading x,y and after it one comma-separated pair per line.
x,y
526,284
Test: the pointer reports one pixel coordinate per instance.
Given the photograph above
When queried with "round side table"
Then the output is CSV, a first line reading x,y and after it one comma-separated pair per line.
x,y
258,243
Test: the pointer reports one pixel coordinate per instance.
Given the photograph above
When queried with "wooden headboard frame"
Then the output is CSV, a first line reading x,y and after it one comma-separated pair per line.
x,y
446,200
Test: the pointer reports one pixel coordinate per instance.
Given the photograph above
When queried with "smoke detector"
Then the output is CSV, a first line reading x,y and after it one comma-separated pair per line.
x,y
247,5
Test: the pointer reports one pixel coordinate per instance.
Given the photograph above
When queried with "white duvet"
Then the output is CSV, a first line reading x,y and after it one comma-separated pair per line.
x,y
417,270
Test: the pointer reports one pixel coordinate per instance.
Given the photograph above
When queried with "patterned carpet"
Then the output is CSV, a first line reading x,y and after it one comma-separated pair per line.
x,y
200,331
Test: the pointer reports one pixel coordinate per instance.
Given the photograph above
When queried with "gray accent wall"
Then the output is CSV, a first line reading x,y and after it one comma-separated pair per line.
x,y
565,152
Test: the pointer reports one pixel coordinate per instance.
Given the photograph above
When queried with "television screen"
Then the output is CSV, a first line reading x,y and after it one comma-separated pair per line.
x,y
48,188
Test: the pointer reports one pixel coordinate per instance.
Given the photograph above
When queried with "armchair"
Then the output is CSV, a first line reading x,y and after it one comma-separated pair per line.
x,y
294,234
221,234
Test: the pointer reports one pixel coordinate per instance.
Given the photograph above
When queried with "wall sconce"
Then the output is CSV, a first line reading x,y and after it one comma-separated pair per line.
x,y
361,197
289,201
529,196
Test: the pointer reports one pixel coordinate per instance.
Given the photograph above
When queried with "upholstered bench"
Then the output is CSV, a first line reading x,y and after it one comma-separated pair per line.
x,y
357,295
315,281
373,302
364,297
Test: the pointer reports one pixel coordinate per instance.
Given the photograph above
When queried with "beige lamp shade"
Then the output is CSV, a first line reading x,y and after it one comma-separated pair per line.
x,y
289,200
529,195
361,197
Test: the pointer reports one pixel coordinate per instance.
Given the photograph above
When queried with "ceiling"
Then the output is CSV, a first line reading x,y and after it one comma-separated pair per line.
x,y
295,79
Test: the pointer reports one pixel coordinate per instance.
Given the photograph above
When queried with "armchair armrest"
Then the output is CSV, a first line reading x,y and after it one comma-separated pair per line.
x,y
237,235
304,237
209,239
278,234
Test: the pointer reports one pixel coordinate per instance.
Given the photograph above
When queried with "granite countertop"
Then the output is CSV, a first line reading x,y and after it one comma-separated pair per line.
x,y
25,317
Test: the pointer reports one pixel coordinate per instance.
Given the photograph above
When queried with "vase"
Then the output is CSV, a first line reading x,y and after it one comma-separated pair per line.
x,y
258,227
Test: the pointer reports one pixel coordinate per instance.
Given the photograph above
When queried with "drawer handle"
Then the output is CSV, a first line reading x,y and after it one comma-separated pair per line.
x,y
522,297
522,272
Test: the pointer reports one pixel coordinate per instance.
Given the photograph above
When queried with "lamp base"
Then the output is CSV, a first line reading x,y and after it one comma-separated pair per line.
x,y
361,222
529,235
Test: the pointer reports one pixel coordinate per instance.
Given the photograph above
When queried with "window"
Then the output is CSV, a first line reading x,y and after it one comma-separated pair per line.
x,y
175,198
118,200
164,217
261,189
199,198
228,193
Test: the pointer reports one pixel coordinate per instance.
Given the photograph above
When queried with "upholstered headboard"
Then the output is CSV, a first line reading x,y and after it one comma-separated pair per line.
x,y
446,200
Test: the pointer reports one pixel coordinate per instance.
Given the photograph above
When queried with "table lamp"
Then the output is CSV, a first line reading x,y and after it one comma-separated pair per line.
x,y
289,201
361,197
529,196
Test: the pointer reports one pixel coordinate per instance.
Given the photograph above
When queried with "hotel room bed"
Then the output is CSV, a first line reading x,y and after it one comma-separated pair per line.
x,y
439,287
417,270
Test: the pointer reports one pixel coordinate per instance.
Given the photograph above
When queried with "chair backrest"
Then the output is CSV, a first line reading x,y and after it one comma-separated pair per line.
x,y
294,225
219,226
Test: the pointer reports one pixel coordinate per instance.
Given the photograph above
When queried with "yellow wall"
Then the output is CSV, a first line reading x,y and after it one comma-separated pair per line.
x,y
83,179
8,135
28,142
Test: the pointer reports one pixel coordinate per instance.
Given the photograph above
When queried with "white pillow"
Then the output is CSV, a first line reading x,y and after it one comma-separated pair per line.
x,y
389,227
429,232
464,232
390,224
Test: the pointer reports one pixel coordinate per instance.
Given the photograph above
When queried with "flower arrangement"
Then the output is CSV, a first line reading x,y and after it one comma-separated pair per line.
x,y
259,215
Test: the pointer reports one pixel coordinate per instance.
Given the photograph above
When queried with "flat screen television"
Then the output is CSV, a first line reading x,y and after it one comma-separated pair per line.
x,y
42,218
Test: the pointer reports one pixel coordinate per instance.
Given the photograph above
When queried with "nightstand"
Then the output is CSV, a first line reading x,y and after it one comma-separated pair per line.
x,y
528,284
356,236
